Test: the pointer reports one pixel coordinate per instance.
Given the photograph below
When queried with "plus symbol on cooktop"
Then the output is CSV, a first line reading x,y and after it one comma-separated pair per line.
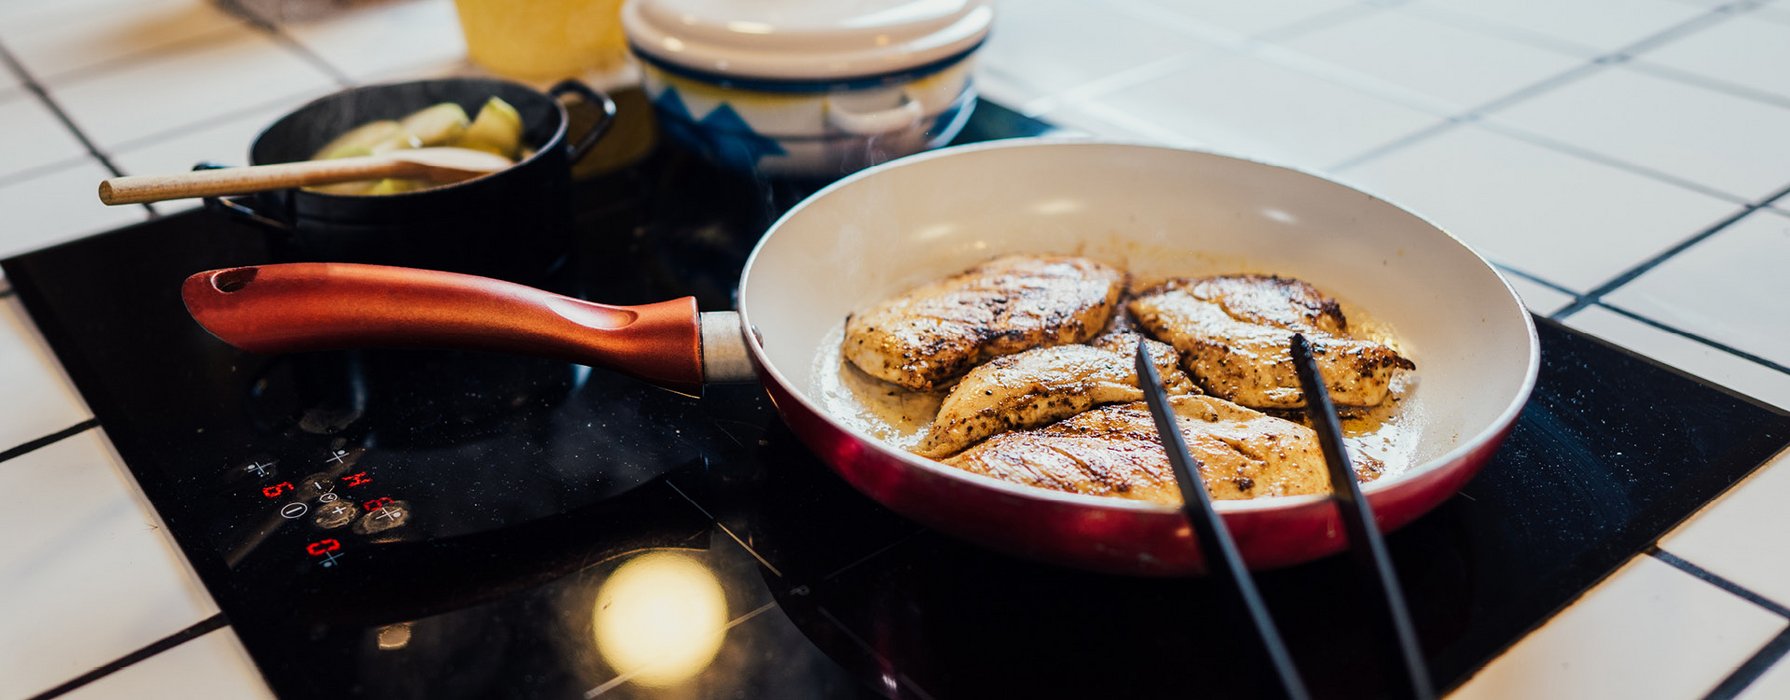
x,y
390,513
338,456
329,560
258,468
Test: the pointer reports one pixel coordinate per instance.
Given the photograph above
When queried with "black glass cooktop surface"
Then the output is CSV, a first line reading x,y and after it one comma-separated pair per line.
x,y
436,524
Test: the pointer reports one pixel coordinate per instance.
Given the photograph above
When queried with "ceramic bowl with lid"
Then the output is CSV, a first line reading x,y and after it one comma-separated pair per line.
x,y
808,87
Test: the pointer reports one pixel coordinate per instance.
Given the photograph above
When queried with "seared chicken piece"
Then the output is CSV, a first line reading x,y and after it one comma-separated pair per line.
x,y
1233,334
1115,451
1042,385
936,332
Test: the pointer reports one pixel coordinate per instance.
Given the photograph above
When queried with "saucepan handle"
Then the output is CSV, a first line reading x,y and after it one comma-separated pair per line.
x,y
591,96
321,306
235,208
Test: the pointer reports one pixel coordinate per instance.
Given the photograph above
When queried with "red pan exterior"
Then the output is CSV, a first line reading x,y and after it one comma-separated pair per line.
x,y
299,306
1112,540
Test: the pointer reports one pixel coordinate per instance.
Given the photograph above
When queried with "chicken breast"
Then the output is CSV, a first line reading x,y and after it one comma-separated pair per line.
x,y
1115,451
936,332
1233,334
1043,385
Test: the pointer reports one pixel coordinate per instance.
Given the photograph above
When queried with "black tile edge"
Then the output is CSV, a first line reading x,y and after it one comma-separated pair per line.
x,y
1631,274
1750,671
1674,330
1719,582
52,438
1532,277
1679,371
194,631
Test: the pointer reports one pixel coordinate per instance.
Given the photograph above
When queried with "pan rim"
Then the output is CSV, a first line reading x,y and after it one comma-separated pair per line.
x,y
769,371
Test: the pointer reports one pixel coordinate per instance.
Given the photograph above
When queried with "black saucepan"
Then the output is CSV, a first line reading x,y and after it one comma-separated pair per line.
x,y
513,224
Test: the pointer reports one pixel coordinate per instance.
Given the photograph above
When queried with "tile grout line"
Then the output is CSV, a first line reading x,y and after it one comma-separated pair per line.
x,y
30,84
1477,114
1709,83
1708,577
1652,323
1597,293
1753,668
1217,39
1112,82
1742,354
1532,277
1495,28
279,36
205,123
1320,21
43,95
1594,64
191,632
1762,660
50,439
37,171
94,70
1569,149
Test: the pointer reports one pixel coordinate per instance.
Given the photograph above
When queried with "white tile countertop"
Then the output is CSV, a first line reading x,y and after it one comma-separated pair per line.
x,y
1626,162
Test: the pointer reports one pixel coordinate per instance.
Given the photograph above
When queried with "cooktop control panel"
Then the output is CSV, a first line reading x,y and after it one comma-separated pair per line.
x,y
339,501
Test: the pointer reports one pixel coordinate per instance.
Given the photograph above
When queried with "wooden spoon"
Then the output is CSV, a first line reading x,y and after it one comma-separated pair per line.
x,y
439,165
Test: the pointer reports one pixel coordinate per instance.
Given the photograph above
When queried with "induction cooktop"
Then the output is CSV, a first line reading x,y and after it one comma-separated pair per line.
x,y
403,523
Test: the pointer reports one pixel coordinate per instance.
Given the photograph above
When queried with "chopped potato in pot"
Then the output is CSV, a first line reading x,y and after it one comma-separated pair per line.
x,y
497,129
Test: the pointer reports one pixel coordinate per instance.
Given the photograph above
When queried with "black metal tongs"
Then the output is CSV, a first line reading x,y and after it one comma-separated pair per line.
x,y
1365,545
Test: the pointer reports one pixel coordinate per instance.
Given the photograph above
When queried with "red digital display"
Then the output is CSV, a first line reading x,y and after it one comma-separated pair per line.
x,y
377,503
275,490
356,479
322,547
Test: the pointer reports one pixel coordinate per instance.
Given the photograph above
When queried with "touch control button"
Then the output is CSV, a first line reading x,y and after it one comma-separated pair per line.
x,y
334,514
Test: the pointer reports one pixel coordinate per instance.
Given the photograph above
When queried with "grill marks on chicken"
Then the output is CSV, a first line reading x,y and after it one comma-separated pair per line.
x,y
1233,334
1036,406
1116,451
936,332
1041,385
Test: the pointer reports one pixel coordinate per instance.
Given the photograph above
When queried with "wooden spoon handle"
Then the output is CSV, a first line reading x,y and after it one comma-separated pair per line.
x,y
136,189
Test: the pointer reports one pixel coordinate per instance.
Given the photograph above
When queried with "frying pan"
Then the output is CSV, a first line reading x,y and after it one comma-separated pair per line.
x,y
1156,211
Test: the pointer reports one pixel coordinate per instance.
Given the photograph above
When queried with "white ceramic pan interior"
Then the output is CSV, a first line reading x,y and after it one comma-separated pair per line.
x,y
1157,212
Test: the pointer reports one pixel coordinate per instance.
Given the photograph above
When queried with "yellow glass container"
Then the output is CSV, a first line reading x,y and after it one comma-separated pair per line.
x,y
540,40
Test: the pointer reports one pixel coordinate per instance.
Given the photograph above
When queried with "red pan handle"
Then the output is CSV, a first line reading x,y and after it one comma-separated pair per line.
x,y
321,306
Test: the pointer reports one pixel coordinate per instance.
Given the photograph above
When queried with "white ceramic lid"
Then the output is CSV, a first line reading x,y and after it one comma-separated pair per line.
x,y
804,40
